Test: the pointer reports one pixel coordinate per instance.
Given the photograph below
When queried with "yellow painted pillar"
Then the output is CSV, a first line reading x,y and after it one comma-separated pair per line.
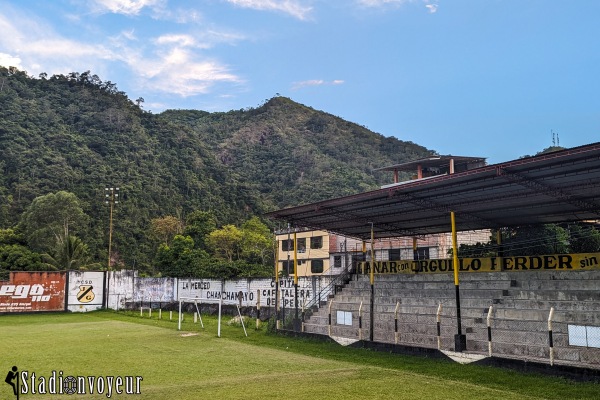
x,y
460,341
296,318
372,279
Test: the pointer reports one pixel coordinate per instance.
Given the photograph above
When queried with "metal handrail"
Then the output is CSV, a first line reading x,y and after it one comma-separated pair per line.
x,y
328,289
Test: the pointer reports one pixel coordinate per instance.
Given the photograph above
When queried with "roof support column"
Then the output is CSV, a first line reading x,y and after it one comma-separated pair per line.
x,y
276,278
296,319
372,279
460,340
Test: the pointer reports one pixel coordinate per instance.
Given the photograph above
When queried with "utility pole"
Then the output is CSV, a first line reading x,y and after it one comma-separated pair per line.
x,y
111,198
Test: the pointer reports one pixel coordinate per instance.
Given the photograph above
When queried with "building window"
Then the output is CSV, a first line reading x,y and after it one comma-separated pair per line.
x,y
287,267
316,242
344,318
301,243
585,336
337,261
316,266
287,245
422,253
394,254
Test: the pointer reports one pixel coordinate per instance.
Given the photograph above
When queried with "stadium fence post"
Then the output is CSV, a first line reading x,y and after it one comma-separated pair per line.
x,y
360,321
396,322
489,329
257,308
550,316
439,327
220,306
329,323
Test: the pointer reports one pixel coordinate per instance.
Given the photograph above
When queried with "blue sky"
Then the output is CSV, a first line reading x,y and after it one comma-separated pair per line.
x,y
490,78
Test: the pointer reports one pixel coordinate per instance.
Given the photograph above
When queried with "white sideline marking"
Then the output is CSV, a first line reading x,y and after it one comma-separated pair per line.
x,y
188,334
463,358
344,341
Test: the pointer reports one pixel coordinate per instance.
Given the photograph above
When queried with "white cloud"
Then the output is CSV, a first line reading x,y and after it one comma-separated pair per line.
x,y
6,60
432,7
35,44
188,78
167,64
176,39
291,7
380,3
165,12
315,82
127,7
175,69
129,35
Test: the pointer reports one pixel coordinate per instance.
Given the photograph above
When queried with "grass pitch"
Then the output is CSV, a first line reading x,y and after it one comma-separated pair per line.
x,y
260,366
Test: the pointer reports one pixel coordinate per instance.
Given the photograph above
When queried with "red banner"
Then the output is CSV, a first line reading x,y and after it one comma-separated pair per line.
x,y
33,291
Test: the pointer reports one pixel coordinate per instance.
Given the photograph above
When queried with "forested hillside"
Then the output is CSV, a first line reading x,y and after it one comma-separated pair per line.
x,y
78,134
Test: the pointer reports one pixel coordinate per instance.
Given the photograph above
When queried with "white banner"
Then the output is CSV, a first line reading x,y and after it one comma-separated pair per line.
x,y
252,290
85,291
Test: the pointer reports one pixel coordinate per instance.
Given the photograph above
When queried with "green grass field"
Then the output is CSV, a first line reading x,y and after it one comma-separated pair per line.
x,y
260,366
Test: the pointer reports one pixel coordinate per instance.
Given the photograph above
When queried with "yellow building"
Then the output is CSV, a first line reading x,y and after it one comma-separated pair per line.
x,y
325,253
312,252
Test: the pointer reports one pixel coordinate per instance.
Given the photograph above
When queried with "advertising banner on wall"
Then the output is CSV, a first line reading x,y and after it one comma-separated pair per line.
x,y
85,291
155,290
551,262
33,291
252,291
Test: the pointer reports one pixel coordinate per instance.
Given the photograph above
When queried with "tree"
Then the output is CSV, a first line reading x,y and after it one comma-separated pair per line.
x,y
226,242
165,228
536,240
52,218
257,242
16,257
198,225
180,259
584,239
9,236
70,253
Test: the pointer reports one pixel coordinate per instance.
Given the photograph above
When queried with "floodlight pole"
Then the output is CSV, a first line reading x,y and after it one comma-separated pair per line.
x,y
111,198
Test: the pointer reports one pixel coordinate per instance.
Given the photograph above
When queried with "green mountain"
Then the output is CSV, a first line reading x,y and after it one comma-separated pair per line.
x,y
79,134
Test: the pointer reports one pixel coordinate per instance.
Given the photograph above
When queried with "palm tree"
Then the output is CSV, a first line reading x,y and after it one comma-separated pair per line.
x,y
70,253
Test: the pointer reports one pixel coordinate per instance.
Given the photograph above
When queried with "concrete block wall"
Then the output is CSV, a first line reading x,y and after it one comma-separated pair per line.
x,y
521,303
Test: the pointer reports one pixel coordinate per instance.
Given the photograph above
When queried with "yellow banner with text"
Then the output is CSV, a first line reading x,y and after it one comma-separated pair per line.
x,y
554,262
